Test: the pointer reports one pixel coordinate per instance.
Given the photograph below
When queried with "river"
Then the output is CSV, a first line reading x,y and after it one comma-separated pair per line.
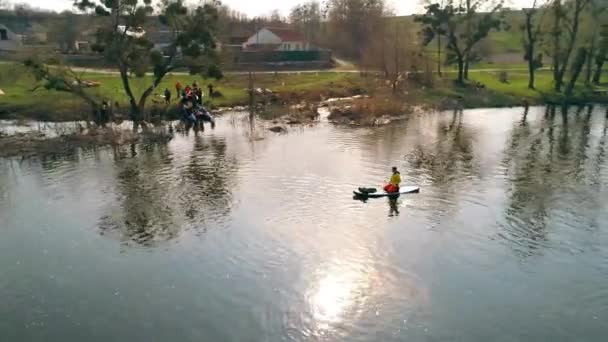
x,y
234,235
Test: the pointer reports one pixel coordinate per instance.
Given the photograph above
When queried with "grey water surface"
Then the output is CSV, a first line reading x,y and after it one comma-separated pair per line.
x,y
234,235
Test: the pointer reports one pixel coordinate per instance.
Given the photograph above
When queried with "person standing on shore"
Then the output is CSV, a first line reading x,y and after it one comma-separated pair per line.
x,y
178,88
198,91
167,96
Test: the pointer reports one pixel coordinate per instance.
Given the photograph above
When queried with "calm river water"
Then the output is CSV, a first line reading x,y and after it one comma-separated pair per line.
x,y
221,237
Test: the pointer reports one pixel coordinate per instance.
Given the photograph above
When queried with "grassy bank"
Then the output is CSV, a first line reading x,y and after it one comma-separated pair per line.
x,y
20,101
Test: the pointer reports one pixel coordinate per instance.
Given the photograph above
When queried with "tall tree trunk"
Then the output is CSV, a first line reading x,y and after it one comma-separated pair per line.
x,y
556,33
251,95
599,64
530,45
589,68
384,66
579,5
589,63
396,59
460,69
439,54
557,84
134,108
469,17
577,67
531,73
144,97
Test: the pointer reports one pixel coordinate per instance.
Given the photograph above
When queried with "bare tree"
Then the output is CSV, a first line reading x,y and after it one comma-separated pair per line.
x,y
306,18
434,29
602,54
465,26
597,10
65,31
566,17
351,24
532,31
577,67
64,79
122,41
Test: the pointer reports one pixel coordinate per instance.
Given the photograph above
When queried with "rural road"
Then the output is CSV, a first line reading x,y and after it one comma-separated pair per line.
x,y
346,71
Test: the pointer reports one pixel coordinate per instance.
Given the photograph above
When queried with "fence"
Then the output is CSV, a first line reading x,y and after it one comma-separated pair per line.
x,y
318,56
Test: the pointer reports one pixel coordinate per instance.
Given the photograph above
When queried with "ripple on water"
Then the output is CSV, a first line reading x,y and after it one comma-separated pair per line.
x,y
507,237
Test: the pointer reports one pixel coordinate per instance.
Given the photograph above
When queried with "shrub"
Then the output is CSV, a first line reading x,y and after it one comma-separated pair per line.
x,y
503,77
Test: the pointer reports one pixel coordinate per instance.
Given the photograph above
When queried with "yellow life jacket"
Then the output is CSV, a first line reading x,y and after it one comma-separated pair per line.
x,y
396,179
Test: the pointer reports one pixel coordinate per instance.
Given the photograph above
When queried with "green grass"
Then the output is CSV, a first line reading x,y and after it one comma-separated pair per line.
x,y
517,87
20,101
497,94
504,41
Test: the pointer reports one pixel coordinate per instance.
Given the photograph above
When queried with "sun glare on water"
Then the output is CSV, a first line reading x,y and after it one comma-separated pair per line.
x,y
338,296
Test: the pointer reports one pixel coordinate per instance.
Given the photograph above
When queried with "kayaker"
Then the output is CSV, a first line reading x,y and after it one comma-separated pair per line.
x,y
393,185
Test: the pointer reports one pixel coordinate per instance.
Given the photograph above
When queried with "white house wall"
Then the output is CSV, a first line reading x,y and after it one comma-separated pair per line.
x,y
264,37
294,46
12,44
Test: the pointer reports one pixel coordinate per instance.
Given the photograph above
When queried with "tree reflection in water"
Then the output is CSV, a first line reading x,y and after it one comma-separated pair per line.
x,y
208,179
160,193
543,181
446,159
450,156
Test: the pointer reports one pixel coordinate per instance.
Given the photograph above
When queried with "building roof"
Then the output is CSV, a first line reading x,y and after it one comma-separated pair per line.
x,y
287,35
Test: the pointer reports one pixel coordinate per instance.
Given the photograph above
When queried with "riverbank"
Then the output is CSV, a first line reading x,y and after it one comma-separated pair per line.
x,y
21,101
484,90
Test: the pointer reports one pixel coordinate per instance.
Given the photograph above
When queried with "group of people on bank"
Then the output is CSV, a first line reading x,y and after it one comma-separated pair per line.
x,y
190,105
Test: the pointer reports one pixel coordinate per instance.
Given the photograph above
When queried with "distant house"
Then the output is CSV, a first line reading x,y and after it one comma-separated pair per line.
x,y
235,40
136,32
35,34
277,39
162,39
9,42
86,40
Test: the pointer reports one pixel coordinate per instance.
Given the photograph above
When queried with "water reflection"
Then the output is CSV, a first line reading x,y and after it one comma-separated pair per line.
x,y
393,204
339,294
161,192
141,213
540,178
448,154
512,200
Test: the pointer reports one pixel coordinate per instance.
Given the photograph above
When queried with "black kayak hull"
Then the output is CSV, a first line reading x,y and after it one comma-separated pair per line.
x,y
402,191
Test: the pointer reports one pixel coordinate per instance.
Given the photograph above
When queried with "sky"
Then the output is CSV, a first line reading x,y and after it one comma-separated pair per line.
x,y
255,8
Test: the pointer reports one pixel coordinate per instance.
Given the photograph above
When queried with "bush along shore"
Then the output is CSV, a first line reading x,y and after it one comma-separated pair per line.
x,y
35,143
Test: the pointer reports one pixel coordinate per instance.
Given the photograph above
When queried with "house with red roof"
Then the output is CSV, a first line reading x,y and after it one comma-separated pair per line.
x,y
277,39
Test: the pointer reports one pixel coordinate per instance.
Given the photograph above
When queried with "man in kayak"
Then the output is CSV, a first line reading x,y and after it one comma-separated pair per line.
x,y
393,185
